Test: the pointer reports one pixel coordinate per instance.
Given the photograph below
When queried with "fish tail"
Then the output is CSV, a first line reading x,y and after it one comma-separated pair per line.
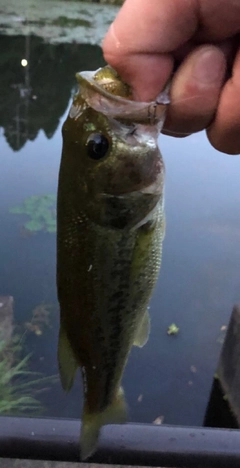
x,y
115,413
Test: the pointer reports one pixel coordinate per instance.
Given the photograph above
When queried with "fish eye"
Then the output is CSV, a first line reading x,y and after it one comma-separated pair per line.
x,y
97,146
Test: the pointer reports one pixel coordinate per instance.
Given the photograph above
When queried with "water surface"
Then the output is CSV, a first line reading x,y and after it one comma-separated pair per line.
x,y
171,376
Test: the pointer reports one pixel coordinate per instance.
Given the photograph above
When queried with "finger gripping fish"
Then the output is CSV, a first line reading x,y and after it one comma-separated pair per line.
x,y
110,227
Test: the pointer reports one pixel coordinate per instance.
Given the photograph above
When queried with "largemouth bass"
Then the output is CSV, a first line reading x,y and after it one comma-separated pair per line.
x,y
110,227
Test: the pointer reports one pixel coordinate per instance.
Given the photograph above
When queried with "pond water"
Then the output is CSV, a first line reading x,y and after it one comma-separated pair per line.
x,y
171,377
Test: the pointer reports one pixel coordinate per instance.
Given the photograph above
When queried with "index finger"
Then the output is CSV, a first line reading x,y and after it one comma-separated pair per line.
x,y
145,33
155,26
141,37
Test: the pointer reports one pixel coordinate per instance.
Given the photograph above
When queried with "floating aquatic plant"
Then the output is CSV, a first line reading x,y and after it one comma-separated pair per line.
x,y
17,383
41,213
173,329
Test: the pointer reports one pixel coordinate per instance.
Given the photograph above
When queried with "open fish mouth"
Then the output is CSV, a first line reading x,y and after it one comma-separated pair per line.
x,y
118,107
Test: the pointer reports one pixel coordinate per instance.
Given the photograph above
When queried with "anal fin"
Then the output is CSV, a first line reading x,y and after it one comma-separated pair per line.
x,y
66,361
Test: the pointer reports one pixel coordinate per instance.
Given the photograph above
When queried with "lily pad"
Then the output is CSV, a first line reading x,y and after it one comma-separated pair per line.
x,y
40,211
33,226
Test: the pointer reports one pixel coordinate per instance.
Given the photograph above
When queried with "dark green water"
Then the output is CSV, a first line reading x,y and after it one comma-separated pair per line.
x,y
200,275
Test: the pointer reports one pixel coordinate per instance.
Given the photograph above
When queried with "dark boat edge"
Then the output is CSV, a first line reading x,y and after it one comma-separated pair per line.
x,y
129,444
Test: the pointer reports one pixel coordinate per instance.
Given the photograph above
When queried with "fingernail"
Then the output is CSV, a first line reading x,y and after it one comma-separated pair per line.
x,y
209,66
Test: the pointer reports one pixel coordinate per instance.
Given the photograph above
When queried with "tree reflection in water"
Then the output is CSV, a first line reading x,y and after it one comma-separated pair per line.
x,y
35,96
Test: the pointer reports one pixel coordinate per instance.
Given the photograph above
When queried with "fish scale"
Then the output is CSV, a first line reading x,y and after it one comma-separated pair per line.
x,y
115,318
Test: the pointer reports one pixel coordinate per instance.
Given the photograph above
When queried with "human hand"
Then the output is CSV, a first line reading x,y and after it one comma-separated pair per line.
x,y
198,38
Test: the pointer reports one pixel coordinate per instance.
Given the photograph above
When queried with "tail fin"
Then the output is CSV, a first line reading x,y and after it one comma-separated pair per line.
x,y
116,413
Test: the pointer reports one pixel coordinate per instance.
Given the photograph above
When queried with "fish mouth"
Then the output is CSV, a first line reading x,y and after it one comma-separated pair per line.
x,y
118,107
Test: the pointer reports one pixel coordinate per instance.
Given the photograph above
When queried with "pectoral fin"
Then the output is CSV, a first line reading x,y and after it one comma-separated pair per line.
x,y
67,363
143,331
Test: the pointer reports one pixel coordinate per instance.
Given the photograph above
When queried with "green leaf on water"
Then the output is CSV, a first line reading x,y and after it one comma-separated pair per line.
x,y
48,217
51,229
41,212
33,225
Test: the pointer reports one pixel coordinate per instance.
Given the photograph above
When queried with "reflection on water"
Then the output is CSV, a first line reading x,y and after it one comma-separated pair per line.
x,y
199,279
36,83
